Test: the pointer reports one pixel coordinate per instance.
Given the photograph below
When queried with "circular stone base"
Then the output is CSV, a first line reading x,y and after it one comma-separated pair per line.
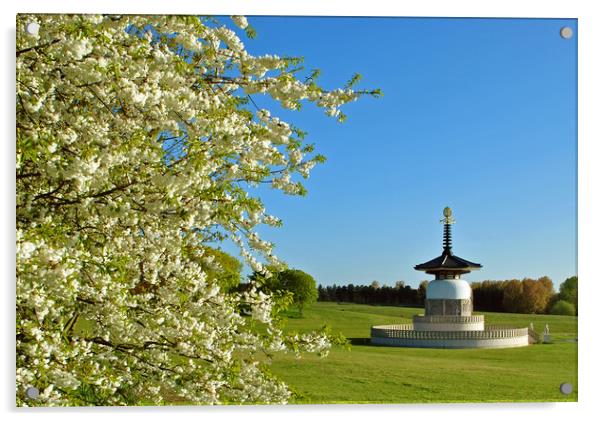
x,y
491,337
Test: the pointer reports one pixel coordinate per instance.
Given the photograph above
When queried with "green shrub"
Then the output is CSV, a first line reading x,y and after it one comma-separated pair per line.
x,y
302,285
563,308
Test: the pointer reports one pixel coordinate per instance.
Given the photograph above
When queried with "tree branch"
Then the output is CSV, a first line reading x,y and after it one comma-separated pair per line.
x,y
37,47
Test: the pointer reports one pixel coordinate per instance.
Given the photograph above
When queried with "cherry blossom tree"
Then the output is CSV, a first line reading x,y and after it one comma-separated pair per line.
x,y
138,145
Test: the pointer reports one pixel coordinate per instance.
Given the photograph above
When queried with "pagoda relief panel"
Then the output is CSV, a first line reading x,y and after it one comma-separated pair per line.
x,y
448,307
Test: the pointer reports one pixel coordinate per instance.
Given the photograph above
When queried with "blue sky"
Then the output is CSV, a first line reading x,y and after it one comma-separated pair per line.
x,y
477,114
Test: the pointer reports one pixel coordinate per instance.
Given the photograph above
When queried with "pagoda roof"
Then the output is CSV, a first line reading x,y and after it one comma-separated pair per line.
x,y
448,262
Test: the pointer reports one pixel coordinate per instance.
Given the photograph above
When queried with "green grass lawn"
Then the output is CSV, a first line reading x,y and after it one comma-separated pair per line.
x,y
376,374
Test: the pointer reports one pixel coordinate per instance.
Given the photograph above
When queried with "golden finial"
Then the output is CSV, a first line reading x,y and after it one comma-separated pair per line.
x,y
448,218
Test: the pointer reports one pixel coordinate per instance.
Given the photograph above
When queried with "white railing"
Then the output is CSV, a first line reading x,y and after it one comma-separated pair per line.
x,y
406,332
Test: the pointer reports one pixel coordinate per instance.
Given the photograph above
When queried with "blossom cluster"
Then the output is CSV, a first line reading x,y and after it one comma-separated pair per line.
x,y
134,150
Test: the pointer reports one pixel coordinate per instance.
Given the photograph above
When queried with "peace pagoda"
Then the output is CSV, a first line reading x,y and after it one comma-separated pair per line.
x,y
448,321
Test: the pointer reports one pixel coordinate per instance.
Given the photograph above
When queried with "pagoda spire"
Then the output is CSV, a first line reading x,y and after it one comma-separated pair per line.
x,y
447,264
447,220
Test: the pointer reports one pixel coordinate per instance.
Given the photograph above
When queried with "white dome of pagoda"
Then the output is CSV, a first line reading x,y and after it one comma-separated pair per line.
x,y
448,289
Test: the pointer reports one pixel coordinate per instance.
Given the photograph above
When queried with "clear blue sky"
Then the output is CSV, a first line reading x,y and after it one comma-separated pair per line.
x,y
477,114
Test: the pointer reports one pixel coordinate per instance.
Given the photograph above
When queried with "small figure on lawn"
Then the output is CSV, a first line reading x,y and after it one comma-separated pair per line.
x,y
546,335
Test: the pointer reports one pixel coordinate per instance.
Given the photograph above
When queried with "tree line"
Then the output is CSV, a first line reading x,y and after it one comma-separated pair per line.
x,y
398,295
530,296
507,296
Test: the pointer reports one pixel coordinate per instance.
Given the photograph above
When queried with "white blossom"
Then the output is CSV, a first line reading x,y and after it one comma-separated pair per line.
x,y
240,21
130,158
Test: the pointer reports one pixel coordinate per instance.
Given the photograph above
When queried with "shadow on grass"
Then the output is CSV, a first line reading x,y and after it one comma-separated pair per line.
x,y
293,315
360,341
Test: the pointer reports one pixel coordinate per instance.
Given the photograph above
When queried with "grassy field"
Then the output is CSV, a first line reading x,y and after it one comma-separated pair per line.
x,y
376,374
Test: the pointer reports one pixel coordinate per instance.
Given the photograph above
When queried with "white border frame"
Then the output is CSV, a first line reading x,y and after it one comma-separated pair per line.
x,y
589,176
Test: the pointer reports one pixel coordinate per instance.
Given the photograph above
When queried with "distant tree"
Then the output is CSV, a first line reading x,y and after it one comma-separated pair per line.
x,y
531,299
528,295
535,295
341,293
547,291
349,293
422,292
322,293
488,295
512,300
375,284
408,296
302,285
224,269
331,292
563,308
568,292
400,285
